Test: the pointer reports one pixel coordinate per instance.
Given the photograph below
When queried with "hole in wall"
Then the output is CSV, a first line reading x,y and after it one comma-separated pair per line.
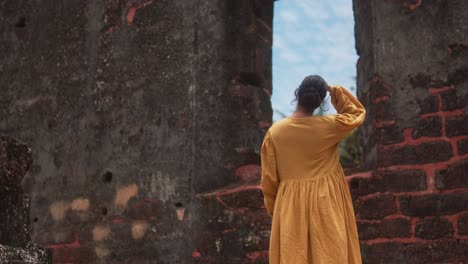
x,y
21,23
107,177
104,210
178,204
35,219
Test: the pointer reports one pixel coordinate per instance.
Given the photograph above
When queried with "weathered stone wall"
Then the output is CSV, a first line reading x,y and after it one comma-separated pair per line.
x,y
412,206
15,242
145,118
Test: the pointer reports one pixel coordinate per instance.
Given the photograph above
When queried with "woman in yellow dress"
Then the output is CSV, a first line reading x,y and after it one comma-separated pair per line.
x,y
304,187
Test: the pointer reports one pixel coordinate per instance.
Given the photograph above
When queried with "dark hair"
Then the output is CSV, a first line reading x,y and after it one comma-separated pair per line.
x,y
311,92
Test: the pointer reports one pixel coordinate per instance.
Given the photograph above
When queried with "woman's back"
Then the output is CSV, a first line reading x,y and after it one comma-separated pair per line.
x,y
305,189
305,146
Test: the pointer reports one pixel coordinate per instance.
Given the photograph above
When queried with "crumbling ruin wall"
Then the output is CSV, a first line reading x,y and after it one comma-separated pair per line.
x,y
412,206
15,242
145,118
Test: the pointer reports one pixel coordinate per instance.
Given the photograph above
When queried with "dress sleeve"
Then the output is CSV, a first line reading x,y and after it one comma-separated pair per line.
x,y
270,179
350,112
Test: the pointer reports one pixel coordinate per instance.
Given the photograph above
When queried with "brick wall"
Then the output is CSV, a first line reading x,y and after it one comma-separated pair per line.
x,y
412,204
137,111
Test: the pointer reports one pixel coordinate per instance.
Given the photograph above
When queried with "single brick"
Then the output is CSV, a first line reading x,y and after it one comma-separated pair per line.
x,y
457,126
389,228
389,181
428,127
362,186
463,224
401,181
429,152
428,105
376,207
450,100
455,176
433,204
462,146
433,228
389,135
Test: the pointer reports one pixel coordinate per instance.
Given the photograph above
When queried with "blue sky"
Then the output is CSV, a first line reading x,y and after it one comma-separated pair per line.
x,y
311,37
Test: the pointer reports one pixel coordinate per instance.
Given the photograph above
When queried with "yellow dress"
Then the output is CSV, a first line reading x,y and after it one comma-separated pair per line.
x,y
305,190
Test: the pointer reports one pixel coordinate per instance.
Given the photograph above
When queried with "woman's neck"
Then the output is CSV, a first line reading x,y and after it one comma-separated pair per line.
x,y
300,113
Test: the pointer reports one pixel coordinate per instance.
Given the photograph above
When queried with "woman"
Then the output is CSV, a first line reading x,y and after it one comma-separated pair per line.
x,y
304,188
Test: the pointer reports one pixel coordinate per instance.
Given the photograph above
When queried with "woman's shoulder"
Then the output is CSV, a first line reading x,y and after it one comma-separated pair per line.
x,y
290,122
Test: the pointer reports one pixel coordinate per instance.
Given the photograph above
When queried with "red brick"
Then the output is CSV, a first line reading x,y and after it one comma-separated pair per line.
x,y
434,204
389,181
389,135
428,127
376,207
388,228
462,146
451,101
463,224
455,176
433,228
424,153
457,126
381,253
428,105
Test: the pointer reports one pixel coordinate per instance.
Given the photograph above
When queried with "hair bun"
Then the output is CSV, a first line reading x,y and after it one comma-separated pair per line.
x,y
310,98
311,92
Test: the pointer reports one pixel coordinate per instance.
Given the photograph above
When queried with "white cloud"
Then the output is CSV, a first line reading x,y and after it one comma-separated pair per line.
x,y
312,9
289,17
289,55
278,42
342,9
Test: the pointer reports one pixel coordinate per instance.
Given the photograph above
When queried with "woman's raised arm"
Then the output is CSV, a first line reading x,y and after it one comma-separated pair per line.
x,y
350,112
